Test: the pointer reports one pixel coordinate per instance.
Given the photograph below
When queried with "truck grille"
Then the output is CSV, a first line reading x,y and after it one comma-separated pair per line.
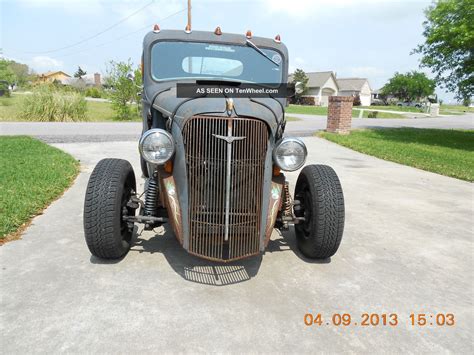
x,y
222,229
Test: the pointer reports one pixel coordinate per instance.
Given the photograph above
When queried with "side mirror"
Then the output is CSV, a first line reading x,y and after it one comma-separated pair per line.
x,y
299,87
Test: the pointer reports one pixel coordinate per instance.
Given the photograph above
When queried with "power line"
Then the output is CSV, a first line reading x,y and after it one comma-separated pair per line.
x,y
121,37
97,34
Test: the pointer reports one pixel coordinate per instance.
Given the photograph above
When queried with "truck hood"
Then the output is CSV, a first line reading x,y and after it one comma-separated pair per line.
x,y
268,109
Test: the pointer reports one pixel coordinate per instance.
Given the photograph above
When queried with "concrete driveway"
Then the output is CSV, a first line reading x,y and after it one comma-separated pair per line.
x,y
407,247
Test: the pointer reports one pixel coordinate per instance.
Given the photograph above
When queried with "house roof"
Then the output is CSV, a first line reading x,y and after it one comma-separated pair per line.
x,y
50,73
316,79
351,84
87,79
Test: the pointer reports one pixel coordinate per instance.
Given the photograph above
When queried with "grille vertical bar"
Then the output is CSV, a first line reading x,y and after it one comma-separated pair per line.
x,y
206,161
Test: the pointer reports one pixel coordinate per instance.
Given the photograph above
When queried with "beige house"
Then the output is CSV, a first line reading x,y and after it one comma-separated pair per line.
x,y
354,87
87,80
320,86
51,76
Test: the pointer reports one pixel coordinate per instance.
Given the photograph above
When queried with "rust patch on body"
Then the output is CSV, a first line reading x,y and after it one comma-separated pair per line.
x,y
274,205
170,194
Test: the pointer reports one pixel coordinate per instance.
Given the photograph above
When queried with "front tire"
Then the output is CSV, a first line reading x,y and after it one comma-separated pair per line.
x,y
322,205
110,187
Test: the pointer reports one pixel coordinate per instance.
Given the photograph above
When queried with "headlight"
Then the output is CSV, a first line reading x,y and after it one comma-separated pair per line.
x,y
156,146
290,154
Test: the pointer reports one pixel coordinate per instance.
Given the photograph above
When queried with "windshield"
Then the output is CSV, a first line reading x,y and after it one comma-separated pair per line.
x,y
211,61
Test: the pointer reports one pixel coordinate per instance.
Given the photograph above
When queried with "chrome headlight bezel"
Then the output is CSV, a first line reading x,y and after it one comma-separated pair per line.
x,y
156,131
281,144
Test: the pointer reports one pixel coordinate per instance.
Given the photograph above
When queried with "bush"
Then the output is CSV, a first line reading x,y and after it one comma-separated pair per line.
x,y
124,90
356,101
94,92
46,104
373,114
4,89
307,100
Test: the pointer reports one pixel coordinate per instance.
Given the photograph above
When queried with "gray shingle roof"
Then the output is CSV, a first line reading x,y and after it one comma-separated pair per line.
x,y
351,84
316,79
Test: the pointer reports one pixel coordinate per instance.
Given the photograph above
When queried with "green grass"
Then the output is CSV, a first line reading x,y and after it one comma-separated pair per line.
x,y
32,175
102,111
446,152
395,108
307,110
291,118
323,111
365,114
455,110
96,111
9,107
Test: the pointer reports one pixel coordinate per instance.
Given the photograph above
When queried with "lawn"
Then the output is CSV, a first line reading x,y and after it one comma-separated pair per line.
x,y
446,152
323,111
443,109
32,175
395,108
307,110
102,111
291,118
455,109
96,111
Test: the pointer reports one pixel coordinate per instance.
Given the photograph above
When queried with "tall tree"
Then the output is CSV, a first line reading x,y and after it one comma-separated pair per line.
x,y
6,72
300,76
79,73
449,45
410,86
22,72
125,90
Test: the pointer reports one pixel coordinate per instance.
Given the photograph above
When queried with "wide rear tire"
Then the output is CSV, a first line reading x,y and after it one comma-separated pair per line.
x,y
322,204
109,189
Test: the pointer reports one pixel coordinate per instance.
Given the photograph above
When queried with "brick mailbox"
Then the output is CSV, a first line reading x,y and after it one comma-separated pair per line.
x,y
340,114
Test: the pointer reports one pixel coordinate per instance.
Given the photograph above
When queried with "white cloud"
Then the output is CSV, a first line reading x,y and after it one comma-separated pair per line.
x,y
78,7
296,63
306,8
44,63
303,9
111,11
367,72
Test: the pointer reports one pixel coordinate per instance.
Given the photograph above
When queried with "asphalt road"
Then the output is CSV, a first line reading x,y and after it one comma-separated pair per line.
x,y
407,247
130,131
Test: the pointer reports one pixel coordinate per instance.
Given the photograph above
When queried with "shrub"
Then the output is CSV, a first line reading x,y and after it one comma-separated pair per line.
x,y
373,114
356,101
49,105
124,90
93,92
4,89
307,100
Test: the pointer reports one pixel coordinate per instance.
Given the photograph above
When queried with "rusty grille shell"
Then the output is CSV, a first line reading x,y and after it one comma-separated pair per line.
x,y
207,166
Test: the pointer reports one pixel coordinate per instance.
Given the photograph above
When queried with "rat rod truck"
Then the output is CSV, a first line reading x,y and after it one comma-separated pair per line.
x,y
213,165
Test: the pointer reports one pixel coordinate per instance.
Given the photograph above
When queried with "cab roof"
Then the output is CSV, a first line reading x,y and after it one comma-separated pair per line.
x,y
207,36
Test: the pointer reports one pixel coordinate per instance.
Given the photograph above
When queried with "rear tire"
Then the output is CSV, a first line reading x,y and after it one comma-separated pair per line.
x,y
322,204
108,191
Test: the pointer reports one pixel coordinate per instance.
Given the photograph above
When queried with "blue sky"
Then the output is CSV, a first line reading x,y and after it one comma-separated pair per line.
x,y
362,38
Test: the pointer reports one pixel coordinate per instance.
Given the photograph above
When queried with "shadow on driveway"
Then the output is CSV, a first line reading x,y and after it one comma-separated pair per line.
x,y
206,272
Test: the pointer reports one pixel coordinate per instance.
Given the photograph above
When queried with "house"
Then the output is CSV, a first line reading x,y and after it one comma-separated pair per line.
x,y
354,87
87,80
52,76
320,86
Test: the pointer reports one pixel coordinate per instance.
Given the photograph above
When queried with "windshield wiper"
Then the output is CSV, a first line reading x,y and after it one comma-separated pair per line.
x,y
252,45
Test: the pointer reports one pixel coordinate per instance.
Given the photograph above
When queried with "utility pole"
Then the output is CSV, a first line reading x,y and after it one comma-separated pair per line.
x,y
188,29
189,16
